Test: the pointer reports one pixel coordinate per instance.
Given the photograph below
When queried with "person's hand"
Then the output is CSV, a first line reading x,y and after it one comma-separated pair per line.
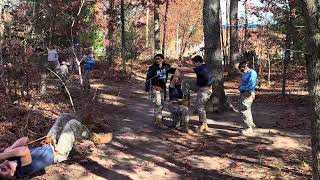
x,y
7,168
252,95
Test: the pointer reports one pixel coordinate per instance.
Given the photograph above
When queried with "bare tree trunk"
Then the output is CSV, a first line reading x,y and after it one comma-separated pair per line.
x,y
147,24
227,49
287,50
3,81
212,55
165,27
157,47
310,10
222,41
110,33
123,43
185,41
269,70
234,38
245,36
178,40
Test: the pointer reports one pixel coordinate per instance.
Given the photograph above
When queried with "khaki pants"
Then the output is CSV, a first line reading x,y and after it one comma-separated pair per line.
x,y
245,103
157,98
86,78
203,95
65,131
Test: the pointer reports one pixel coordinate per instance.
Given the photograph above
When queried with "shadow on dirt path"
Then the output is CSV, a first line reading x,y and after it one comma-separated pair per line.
x,y
279,149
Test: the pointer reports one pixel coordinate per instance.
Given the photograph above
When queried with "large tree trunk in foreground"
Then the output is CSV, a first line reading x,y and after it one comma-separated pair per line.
x,y
212,54
157,46
310,11
234,39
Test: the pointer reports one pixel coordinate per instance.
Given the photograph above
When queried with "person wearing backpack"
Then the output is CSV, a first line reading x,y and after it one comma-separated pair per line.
x,y
203,87
156,83
88,60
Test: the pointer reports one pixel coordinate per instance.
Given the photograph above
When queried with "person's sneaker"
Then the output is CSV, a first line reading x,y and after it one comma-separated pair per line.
x,y
159,124
247,132
203,128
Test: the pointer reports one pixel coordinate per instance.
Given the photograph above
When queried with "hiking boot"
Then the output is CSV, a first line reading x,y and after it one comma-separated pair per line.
x,y
187,130
185,102
247,132
203,128
159,123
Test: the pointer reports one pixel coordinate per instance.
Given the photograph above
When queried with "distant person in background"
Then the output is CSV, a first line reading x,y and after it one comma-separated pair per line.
x,y
247,95
88,60
53,58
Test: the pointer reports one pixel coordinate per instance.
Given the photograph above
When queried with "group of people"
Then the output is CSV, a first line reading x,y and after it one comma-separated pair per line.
x,y
56,63
19,160
180,89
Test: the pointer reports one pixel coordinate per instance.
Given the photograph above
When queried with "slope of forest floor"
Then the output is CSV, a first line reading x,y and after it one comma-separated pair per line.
x,y
279,150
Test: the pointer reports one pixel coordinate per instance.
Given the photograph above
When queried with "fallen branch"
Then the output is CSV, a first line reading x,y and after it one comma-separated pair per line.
x,y
65,87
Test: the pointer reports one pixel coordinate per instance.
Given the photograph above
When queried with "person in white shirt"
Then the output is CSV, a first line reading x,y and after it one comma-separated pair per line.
x,y
53,58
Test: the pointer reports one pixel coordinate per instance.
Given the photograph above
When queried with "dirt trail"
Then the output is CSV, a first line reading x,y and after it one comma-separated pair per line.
x,y
280,148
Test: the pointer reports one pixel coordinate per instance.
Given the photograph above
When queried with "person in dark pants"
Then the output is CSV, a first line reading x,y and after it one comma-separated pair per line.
x,y
247,95
156,83
203,87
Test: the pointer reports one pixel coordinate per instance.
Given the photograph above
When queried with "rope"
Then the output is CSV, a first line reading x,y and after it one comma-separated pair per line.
x,y
39,139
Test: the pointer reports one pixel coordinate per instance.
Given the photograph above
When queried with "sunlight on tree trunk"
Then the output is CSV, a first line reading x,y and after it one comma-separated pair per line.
x,y
147,23
165,27
157,47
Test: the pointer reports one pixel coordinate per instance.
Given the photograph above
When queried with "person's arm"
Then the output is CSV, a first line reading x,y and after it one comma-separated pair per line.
x,y
16,152
185,69
19,143
252,83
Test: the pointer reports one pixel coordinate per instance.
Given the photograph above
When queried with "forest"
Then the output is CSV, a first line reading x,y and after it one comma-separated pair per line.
x,y
79,98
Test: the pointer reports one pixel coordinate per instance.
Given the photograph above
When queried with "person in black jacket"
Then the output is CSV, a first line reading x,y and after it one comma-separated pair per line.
x,y
156,82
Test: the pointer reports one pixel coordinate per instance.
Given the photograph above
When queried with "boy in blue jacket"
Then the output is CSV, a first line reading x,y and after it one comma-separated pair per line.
x,y
88,60
247,95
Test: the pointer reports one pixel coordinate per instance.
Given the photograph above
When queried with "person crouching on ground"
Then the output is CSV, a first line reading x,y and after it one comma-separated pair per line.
x,y
179,111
